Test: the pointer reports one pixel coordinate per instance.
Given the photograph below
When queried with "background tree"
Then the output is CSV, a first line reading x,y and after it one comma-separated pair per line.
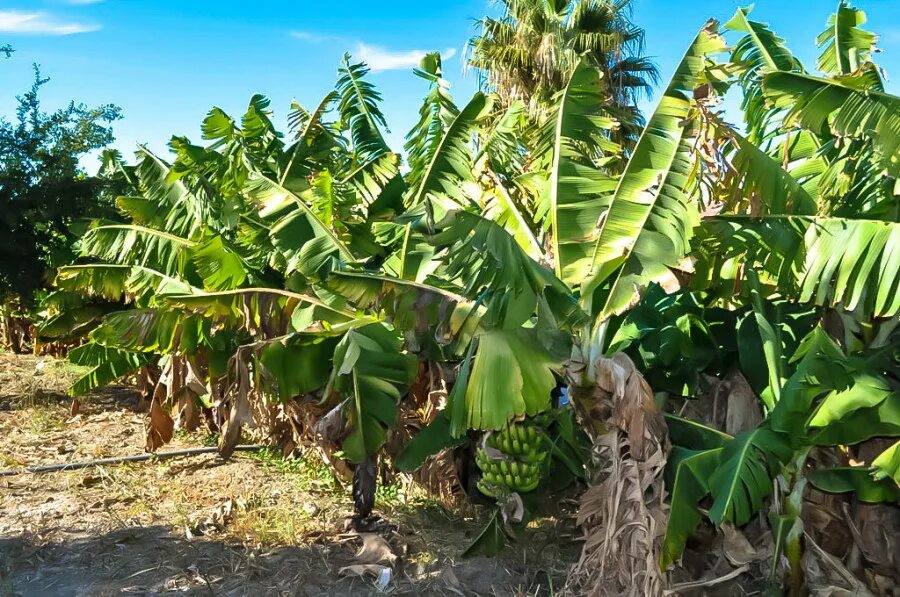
x,y
531,50
44,190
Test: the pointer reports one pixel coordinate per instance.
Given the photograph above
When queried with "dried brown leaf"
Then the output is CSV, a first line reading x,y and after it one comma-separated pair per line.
x,y
737,548
375,550
160,426
743,411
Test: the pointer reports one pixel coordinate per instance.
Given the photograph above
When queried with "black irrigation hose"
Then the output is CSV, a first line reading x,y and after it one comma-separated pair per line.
x,y
71,466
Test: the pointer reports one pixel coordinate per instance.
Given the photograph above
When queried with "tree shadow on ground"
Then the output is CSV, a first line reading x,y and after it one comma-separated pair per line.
x,y
154,561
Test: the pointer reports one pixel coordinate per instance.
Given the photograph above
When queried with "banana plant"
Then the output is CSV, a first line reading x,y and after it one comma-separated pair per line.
x,y
505,257
806,216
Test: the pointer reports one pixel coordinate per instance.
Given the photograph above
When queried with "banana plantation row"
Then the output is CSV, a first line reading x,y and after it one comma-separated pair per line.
x,y
548,282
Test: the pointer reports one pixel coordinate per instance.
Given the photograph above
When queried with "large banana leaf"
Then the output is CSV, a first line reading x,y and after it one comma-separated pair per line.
x,y
845,46
220,266
264,309
298,363
863,424
112,281
867,390
298,234
689,434
310,128
577,191
493,266
762,183
843,108
501,146
152,331
447,162
828,261
129,244
743,480
374,179
512,375
108,365
358,105
758,52
652,214
499,205
170,205
887,464
858,480
410,306
690,485
371,373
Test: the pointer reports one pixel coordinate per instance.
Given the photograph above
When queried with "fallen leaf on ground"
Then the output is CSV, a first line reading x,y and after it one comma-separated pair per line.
x,y
375,550
382,574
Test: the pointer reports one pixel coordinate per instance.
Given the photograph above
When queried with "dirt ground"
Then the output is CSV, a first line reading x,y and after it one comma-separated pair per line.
x,y
255,525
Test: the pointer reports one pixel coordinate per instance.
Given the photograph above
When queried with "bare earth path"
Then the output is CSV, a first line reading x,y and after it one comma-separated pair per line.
x,y
255,525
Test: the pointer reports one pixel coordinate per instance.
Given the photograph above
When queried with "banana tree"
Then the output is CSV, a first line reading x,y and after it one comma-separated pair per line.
x,y
804,208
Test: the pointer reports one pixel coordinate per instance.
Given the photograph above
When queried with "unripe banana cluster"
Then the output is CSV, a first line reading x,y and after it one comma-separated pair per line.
x,y
518,468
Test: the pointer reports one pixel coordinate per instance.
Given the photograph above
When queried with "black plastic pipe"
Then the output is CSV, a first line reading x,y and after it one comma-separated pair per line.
x,y
71,466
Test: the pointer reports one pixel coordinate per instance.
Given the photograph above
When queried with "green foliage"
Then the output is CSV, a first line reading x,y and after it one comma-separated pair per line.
x,y
577,191
493,399
525,240
675,338
652,214
371,374
691,483
859,480
743,478
845,46
44,191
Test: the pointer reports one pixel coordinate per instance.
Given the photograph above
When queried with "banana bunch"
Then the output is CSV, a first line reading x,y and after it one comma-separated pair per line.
x,y
511,460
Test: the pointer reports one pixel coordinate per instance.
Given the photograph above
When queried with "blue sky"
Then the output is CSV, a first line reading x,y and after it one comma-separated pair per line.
x,y
166,62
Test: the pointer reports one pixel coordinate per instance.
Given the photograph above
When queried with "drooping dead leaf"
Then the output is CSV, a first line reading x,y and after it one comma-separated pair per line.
x,y
743,411
330,428
241,410
193,381
827,575
612,375
160,426
633,405
621,514
188,414
239,415
512,510
737,548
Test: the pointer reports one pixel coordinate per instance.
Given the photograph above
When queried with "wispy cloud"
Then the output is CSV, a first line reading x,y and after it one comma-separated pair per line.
x,y
40,23
382,59
378,58
316,38
83,2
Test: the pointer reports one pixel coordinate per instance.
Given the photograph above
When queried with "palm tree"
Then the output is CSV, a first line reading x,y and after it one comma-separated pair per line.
x,y
530,52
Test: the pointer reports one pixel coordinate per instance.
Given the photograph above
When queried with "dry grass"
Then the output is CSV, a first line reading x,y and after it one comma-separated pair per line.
x,y
255,525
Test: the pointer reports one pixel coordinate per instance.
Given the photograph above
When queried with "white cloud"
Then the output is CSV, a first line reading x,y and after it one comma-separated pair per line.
x,y
83,2
16,21
382,59
315,38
